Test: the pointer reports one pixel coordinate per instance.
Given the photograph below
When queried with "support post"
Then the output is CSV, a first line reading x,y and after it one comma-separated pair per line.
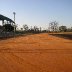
x,y
14,22
2,22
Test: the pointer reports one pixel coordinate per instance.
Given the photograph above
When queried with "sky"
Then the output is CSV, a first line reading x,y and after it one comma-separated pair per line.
x,y
38,12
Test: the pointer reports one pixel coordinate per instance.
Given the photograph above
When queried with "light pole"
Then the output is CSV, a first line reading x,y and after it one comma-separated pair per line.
x,y
14,15
14,22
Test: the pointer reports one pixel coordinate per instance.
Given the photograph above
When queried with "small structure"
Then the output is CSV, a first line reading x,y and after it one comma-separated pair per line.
x,y
8,20
7,27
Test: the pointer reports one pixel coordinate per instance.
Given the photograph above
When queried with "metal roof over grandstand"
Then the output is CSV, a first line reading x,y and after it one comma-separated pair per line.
x,y
6,18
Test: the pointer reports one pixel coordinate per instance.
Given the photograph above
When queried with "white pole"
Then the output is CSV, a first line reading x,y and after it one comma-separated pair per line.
x,y
14,21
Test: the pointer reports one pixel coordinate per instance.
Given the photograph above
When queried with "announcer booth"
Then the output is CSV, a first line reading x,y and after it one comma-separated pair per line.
x,y
8,28
6,20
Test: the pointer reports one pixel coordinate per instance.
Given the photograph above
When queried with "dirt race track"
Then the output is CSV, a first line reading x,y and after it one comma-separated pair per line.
x,y
36,53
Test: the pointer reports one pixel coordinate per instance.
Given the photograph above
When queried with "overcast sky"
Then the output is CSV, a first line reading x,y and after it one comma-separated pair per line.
x,y
38,12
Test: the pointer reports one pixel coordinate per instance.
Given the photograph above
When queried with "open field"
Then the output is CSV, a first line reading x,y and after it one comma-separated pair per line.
x,y
36,53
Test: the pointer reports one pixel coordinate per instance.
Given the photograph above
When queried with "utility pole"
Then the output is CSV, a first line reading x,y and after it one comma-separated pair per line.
x,y
14,15
14,23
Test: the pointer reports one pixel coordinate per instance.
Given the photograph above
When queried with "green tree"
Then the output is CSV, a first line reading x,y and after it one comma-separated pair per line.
x,y
62,28
36,28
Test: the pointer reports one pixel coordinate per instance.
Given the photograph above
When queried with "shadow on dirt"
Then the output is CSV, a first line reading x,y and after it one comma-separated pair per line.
x,y
13,36
66,36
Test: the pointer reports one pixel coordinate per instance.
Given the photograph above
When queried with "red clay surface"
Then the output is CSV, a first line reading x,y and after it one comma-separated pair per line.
x,y
36,53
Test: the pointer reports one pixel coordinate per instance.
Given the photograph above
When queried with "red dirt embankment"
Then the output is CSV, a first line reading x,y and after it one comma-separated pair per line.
x,y
36,53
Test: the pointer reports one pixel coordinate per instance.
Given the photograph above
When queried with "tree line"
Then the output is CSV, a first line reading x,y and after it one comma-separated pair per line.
x,y
53,27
